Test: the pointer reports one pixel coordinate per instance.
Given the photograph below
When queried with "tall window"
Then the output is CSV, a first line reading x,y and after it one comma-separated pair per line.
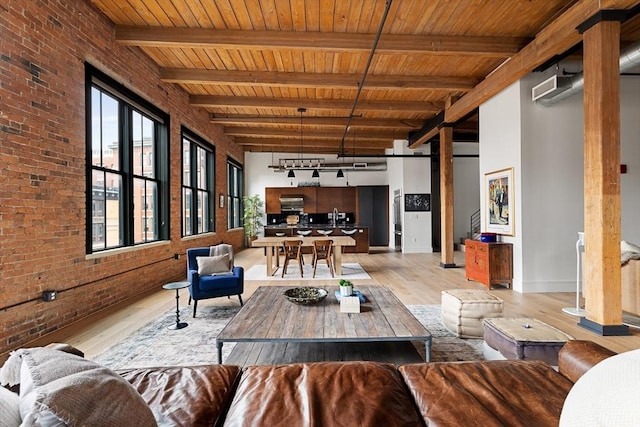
x,y
235,183
198,185
126,137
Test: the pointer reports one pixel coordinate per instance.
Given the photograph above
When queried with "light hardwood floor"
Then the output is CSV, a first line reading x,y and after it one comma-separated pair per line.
x,y
414,278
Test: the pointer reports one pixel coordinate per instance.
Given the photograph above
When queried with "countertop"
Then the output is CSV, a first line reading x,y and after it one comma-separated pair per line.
x,y
311,226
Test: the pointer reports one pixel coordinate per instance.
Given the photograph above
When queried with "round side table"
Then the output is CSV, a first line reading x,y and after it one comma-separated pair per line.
x,y
177,286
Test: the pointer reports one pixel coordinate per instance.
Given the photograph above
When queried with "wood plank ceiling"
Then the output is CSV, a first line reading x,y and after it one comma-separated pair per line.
x,y
254,63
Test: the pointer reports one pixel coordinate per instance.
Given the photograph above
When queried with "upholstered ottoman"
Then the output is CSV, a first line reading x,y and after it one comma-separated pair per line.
x,y
524,338
464,309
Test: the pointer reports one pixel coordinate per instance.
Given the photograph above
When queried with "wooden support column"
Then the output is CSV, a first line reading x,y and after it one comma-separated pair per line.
x,y
602,284
446,197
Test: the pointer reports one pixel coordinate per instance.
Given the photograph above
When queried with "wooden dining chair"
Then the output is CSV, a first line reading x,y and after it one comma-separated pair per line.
x,y
292,250
322,249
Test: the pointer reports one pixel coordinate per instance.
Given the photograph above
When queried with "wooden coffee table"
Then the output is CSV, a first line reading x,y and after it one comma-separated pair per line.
x,y
269,317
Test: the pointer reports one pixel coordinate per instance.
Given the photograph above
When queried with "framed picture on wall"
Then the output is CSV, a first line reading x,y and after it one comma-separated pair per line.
x,y
417,202
500,202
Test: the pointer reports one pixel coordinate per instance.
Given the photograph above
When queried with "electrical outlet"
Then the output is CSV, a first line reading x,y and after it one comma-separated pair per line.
x,y
49,295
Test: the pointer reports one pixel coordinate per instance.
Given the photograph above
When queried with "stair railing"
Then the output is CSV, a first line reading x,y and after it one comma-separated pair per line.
x,y
475,223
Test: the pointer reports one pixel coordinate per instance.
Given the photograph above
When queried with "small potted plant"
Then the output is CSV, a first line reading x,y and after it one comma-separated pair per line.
x,y
346,288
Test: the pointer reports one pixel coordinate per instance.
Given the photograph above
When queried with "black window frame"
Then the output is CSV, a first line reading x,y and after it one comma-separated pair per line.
x,y
128,103
197,143
234,195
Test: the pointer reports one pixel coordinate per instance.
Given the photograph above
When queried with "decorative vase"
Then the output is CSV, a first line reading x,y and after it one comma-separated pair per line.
x,y
346,291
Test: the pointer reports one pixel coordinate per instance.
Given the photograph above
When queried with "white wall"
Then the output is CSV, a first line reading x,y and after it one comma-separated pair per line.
x,y
552,189
416,226
630,156
258,175
546,148
500,141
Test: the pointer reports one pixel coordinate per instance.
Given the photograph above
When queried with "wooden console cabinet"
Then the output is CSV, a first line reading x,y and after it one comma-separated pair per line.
x,y
489,263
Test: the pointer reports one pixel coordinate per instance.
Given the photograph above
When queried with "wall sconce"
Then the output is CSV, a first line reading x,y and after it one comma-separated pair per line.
x,y
221,201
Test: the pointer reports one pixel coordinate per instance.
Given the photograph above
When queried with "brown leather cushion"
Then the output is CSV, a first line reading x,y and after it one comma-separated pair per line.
x,y
185,396
577,357
490,393
330,394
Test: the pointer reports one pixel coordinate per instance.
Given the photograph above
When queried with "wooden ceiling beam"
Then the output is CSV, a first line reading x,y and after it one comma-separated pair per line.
x,y
339,122
554,39
500,47
215,101
311,133
333,81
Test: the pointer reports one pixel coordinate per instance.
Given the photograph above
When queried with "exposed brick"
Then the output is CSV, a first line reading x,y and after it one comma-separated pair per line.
x,y
42,153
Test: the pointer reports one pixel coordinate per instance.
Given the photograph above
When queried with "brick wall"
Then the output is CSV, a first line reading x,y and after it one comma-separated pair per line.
x,y
43,48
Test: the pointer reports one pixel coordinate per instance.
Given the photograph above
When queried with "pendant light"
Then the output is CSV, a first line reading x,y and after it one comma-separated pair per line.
x,y
291,174
315,174
340,174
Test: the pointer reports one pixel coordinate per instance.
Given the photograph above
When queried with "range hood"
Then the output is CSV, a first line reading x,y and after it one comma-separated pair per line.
x,y
291,203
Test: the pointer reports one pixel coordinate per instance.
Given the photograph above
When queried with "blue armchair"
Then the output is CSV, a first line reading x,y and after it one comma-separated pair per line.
x,y
203,287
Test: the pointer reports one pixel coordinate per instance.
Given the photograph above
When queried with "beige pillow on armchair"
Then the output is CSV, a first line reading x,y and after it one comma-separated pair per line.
x,y
213,265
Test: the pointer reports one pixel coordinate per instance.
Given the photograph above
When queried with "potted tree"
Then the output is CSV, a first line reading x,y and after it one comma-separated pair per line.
x,y
252,217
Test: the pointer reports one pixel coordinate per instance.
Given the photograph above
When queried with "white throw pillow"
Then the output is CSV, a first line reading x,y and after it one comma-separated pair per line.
x,y
208,265
606,395
58,389
9,408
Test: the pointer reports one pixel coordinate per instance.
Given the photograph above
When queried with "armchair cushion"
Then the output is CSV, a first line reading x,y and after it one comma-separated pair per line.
x,y
210,265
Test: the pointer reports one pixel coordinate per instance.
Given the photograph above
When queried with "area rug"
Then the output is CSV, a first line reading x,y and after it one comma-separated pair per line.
x,y
351,271
155,345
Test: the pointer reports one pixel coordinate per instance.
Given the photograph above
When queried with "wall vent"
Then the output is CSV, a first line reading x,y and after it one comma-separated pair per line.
x,y
550,87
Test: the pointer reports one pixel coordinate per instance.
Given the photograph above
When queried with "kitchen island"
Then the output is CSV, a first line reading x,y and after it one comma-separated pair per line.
x,y
359,234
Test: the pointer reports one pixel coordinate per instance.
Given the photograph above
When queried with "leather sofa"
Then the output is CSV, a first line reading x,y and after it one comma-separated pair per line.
x,y
487,393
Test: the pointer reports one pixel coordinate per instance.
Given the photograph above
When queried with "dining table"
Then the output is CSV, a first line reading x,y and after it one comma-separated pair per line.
x,y
273,243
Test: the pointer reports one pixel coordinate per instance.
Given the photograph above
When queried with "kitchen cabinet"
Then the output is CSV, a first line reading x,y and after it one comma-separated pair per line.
x,y
316,199
361,236
272,198
341,198
489,263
